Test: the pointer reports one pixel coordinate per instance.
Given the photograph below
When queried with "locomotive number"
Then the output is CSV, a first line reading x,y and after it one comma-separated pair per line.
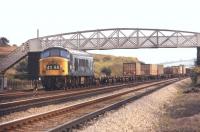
x,y
53,67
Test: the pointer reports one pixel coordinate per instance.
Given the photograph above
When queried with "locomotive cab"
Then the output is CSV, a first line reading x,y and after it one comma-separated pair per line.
x,y
54,62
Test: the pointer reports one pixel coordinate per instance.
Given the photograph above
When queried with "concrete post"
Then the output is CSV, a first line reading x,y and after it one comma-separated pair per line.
x,y
196,77
1,82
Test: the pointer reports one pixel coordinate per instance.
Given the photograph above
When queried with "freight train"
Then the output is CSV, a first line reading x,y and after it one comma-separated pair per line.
x,y
67,68
137,68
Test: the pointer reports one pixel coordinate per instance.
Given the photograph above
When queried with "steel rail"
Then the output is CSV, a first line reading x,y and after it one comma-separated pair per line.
x,y
15,106
43,116
8,97
69,126
21,95
25,101
20,105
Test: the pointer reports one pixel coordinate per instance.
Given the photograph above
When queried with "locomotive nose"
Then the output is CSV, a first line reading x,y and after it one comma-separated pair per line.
x,y
54,66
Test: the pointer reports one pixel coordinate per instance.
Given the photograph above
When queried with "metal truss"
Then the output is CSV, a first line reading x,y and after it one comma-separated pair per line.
x,y
102,39
122,38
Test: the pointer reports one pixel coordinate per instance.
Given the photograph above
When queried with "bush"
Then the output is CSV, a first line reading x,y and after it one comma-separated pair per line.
x,y
106,71
22,66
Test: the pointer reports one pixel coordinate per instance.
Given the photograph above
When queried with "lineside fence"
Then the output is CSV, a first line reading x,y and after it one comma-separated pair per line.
x,y
14,84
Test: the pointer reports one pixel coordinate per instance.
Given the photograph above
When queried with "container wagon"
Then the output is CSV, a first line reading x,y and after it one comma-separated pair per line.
x,y
149,69
160,69
183,69
131,69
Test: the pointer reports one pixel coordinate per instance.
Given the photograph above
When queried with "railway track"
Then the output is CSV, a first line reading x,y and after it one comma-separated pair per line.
x,y
75,114
19,95
15,106
13,96
23,95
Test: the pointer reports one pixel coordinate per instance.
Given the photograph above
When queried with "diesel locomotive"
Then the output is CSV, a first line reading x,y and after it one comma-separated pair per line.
x,y
62,67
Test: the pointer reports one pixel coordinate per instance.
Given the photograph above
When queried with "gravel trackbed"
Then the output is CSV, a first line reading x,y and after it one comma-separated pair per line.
x,y
142,115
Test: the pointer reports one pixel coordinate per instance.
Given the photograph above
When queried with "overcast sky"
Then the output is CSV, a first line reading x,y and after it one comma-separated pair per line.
x,y
20,19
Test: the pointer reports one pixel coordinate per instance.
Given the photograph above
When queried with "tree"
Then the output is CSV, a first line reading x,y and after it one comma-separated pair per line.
x,y
4,41
22,67
22,70
106,71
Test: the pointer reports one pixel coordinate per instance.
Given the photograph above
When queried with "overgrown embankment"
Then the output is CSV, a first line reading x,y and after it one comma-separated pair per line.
x,y
115,63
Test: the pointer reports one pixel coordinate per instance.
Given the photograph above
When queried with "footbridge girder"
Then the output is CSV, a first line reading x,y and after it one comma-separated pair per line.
x,y
102,39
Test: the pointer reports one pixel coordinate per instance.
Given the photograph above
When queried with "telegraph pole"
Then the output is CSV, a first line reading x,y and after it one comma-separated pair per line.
x,y
38,33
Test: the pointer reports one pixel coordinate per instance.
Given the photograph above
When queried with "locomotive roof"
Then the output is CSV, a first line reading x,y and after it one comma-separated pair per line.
x,y
72,51
78,52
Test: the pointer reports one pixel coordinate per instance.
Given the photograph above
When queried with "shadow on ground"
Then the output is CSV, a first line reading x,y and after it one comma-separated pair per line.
x,y
187,105
183,114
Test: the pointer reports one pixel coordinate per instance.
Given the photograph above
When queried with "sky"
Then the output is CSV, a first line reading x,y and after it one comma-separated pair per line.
x,y
20,20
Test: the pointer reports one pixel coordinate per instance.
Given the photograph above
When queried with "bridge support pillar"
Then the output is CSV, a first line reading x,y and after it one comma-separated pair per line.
x,y
198,56
33,65
196,77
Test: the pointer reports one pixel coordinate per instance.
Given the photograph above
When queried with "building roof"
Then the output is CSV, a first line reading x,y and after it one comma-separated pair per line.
x,y
5,50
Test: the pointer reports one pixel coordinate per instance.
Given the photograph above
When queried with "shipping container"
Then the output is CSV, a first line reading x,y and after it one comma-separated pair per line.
x,y
130,69
168,70
160,69
183,69
149,69
175,70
